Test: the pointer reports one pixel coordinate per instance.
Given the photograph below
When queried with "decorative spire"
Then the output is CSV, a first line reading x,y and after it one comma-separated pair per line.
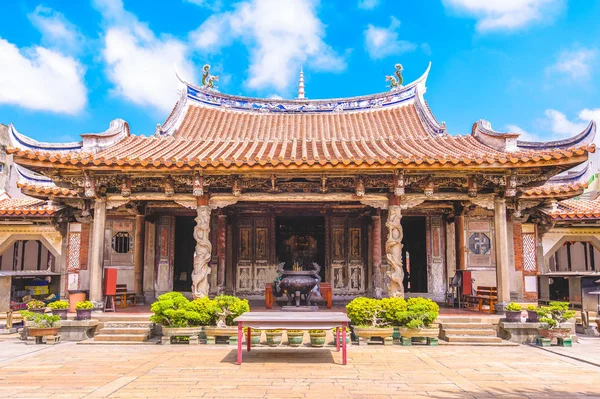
x,y
301,86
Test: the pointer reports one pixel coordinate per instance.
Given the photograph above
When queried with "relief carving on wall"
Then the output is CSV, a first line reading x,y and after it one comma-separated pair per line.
x,y
200,284
393,249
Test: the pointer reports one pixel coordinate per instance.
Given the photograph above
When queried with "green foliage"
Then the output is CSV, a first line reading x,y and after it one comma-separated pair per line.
x,y
84,305
295,331
200,311
531,308
316,331
273,332
391,306
419,313
555,313
513,307
365,312
169,310
234,304
35,304
59,305
41,320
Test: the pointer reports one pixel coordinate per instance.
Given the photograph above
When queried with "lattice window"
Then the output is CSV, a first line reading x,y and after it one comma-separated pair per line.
x,y
121,242
529,255
74,248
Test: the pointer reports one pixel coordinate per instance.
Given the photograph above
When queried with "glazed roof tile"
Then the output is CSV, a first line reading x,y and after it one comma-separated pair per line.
x,y
577,209
25,207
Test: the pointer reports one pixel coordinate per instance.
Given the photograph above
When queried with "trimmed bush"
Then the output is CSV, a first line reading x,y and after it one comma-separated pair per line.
x,y
391,306
84,305
419,313
234,304
59,305
365,311
513,307
41,320
555,314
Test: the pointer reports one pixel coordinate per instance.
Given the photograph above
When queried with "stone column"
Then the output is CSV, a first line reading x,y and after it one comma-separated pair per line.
x,y
502,255
459,230
221,251
377,275
138,256
97,257
200,282
393,248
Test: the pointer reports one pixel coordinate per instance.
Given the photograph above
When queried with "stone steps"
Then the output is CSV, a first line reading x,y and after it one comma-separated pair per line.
x,y
121,337
467,326
124,330
478,332
127,324
471,338
469,330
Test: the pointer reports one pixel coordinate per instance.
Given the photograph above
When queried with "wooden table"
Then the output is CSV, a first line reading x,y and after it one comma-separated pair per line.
x,y
292,321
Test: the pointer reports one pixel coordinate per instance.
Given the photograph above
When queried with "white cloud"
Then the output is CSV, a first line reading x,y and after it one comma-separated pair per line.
x,y
41,79
503,15
382,42
139,64
57,32
561,126
576,64
280,36
368,4
524,135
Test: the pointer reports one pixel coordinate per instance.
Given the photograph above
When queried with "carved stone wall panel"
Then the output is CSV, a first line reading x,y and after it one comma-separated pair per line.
x,y
436,272
480,243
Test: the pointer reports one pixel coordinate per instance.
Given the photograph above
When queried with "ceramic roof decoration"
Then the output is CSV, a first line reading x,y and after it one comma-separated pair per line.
x,y
215,131
576,209
19,207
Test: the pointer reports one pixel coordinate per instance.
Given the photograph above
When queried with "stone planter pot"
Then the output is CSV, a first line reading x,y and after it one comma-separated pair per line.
x,y
273,338
317,339
532,316
255,336
554,333
62,313
169,332
419,332
229,333
295,338
513,317
84,314
41,332
366,334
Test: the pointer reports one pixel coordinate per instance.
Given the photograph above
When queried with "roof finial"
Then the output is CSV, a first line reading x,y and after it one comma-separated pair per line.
x,y
301,86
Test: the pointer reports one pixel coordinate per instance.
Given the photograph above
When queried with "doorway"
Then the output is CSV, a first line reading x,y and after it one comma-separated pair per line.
x,y
301,241
414,254
185,245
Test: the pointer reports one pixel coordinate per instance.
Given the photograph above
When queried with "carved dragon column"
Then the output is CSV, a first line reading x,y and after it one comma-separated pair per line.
x,y
393,248
202,255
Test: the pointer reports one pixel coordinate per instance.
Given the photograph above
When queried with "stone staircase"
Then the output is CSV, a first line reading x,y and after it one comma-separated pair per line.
x,y
469,331
122,329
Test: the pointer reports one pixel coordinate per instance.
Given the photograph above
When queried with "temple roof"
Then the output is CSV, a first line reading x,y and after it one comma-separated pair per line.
x,y
576,209
35,183
208,129
25,207
565,185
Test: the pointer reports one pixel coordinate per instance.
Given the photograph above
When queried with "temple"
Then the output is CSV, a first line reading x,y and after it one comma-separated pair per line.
x,y
372,188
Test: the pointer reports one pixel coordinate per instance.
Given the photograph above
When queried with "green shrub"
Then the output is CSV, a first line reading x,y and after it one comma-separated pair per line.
x,y
390,307
419,313
531,308
513,307
365,312
41,320
200,311
59,305
35,304
84,305
555,314
273,331
316,331
234,304
170,310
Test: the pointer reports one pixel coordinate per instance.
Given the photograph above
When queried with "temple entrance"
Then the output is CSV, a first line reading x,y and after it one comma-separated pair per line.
x,y
414,254
300,241
184,253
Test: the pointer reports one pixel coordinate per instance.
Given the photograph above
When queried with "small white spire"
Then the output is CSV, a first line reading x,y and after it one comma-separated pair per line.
x,y
301,86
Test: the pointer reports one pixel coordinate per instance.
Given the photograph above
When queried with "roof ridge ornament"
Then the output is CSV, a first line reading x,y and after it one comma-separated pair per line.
x,y
396,82
208,80
301,85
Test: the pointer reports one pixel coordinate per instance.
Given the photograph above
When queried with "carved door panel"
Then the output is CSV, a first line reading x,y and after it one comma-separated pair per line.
x,y
119,242
254,248
244,270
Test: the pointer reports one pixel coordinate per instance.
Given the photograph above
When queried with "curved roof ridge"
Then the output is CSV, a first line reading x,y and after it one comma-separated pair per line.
x,y
583,138
21,141
570,175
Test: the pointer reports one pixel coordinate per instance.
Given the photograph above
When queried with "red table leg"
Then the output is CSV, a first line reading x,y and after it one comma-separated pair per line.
x,y
337,339
240,339
344,343
249,338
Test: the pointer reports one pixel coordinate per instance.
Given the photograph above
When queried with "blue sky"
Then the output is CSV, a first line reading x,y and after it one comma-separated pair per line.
x,y
69,67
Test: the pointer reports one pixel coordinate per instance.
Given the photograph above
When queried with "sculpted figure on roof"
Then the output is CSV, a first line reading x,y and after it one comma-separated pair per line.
x,y
396,82
208,80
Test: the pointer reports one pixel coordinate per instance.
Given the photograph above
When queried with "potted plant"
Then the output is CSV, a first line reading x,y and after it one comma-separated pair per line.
x,y
59,308
417,320
552,316
36,306
42,324
347,335
255,336
295,337
180,317
84,310
368,318
317,338
532,316
226,310
273,337
513,312
391,306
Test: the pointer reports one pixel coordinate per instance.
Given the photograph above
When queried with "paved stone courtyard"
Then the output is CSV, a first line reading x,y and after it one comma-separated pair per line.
x,y
68,370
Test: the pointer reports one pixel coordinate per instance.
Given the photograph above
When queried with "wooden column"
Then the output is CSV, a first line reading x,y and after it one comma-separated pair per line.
x,y
459,231
221,251
138,255
97,256
502,255
376,244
